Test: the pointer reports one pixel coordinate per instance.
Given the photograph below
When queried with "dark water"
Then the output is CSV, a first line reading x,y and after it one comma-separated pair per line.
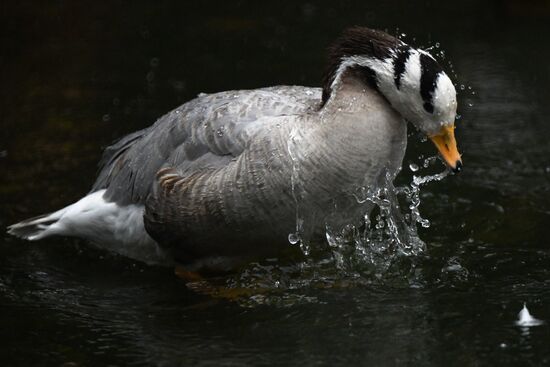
x,y
76,76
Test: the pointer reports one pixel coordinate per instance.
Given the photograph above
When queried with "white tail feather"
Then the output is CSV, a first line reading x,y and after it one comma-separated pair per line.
x,y
38,227
110,226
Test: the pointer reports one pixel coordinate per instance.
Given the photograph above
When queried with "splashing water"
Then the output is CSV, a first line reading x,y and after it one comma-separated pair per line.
x,y
296,237
525,319
388,233
383,247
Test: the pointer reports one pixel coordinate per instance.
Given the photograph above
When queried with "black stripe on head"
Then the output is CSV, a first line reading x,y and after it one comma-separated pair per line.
x,y
399,63
429,71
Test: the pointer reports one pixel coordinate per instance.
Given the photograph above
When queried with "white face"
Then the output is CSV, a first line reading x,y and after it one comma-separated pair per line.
x,y
444,102
418,89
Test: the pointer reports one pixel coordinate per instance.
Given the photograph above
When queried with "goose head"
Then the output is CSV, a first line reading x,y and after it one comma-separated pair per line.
x,y
410,79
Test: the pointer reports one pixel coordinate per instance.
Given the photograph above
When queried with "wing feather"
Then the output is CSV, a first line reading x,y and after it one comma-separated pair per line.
x,y
203,134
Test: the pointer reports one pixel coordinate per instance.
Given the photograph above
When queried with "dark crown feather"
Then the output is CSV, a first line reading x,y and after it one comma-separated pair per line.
x,y
357,41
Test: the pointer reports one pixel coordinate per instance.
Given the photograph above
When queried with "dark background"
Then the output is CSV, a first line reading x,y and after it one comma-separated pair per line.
x,y
77,75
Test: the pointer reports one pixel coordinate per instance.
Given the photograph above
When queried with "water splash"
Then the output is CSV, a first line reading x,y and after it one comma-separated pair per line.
x,y
293,238
296,237
414,167
388,234
413,195
525,319
386,242
383,248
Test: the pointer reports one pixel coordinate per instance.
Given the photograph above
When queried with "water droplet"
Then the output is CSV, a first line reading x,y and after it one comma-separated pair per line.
x,y
179,86
154,62
403,35
106,118
305,248
462,87
525,318
437,44
293,238
145,33
425,223
413,167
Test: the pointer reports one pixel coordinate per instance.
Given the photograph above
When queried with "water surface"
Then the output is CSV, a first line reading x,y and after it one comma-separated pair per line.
x,y
75,77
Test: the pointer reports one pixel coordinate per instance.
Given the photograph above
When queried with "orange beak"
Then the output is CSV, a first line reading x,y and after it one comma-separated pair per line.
x,y
446,144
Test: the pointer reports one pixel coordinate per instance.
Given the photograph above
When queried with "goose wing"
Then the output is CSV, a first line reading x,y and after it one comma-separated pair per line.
x,y
204,134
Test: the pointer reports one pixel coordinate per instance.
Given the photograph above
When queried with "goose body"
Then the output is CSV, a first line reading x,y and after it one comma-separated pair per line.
x,y
226,177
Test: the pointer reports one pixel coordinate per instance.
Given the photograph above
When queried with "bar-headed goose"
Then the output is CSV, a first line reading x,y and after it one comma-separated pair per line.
x,y
220,179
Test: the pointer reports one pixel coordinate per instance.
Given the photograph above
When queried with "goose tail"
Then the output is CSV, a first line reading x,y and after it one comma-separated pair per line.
x,y
39,227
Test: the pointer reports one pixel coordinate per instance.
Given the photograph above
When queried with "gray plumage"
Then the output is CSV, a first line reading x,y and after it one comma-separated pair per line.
x,y
228,171
226,177
204,133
